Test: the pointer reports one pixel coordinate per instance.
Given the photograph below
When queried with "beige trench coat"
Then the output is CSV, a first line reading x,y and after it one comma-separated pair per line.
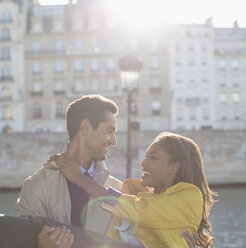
x,y
46,194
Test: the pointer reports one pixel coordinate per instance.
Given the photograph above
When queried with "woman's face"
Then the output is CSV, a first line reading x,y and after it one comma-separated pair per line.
x,y
156,170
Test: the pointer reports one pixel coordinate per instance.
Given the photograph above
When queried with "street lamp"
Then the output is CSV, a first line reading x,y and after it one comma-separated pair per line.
x,y
130,67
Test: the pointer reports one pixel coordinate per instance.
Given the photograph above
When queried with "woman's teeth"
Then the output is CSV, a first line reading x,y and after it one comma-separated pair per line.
x,y
145,173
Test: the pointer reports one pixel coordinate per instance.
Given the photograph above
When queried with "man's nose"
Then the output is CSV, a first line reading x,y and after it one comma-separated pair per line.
x,y
113,140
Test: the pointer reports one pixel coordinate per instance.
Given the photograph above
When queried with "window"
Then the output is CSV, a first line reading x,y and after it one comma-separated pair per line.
x,y
155,84
5,53
94,65
192,114
59,110
156,108
78,44
236,97
234,64
154,44
111,43
191,61
178,61
36,47
204,47
6,112
179,100
5,34
177,47
95,45
37,87
5,72
36,67
58,46
223,98
58,24
222,64
5,93
156,125
205,113
47,23
190,47
204,61
112,86
179,114
78,65
6,16
94,84
78,87
110,64
235,80
222,81
58,66
58,87
154,64
178,77
7,129
205,95
37,111
223,115
191,76
204,76
237,115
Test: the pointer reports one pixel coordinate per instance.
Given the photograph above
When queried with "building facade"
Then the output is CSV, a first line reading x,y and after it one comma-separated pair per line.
x,y
230,77
12,64
193,76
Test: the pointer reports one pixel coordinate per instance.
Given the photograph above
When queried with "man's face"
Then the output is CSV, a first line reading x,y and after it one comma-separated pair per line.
x,y
102,137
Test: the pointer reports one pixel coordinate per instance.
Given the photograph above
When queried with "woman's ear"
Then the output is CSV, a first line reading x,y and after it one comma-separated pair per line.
x,y
85,127
175,167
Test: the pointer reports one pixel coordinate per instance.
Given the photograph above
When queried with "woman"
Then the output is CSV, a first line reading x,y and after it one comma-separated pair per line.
x,y
172,194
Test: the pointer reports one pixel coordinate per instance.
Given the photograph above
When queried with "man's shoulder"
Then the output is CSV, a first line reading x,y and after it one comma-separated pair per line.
x,y
40,174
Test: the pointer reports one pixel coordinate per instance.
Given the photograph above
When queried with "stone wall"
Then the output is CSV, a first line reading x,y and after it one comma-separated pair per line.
x,y
224,154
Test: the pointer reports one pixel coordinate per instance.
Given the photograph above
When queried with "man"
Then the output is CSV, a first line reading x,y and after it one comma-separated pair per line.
x,y
91,125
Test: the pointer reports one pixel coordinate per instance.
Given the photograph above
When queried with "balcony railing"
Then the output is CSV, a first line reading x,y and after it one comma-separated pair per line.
x,y
6,79
192,101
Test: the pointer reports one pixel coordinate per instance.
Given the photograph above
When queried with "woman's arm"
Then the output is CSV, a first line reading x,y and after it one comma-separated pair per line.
x,y
70,169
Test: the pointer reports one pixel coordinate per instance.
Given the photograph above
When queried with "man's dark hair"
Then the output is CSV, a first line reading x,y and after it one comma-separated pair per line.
x,y
91,107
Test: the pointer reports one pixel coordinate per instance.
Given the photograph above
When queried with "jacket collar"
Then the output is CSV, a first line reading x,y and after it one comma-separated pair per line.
x,y
101,172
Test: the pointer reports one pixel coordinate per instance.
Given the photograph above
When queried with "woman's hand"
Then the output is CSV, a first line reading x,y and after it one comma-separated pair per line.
x,y
55,237
69,168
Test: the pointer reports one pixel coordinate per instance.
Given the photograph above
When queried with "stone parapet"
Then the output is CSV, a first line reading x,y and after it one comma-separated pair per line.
x,y
224,154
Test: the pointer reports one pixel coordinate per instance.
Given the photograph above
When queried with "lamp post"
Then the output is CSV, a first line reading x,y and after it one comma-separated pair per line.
x,y
130,67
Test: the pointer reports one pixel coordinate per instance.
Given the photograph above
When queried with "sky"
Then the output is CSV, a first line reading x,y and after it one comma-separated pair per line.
x,y
150,12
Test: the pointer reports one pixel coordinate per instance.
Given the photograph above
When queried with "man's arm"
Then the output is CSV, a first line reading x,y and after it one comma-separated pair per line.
x,y
32,199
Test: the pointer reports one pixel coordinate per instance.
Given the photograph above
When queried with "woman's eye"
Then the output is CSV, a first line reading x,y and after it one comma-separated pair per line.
x,y
153,157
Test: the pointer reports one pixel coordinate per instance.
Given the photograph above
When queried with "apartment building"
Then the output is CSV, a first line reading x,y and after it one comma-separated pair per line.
x,y
193,76
12,78
230,77
191,55
72,50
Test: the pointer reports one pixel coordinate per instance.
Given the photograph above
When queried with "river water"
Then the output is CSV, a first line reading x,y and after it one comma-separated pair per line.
x,y
228,215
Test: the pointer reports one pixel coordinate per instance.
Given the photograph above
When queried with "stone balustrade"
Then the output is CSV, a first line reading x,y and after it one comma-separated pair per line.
x,y
224,154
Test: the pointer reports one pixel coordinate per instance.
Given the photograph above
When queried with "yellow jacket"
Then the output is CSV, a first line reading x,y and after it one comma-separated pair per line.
x,y
158,219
